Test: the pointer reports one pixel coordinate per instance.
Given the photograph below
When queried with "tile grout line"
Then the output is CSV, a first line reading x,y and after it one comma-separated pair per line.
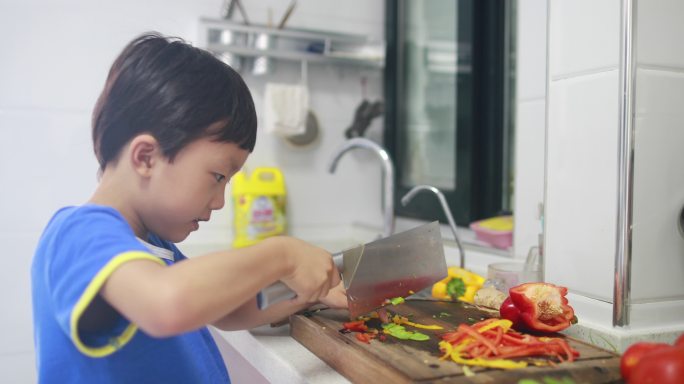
x,y
588,72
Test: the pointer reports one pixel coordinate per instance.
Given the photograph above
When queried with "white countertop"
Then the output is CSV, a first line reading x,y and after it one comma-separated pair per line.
x,y
270,355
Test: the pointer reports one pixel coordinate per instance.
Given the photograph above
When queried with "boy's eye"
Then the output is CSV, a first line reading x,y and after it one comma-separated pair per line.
x,y
219,177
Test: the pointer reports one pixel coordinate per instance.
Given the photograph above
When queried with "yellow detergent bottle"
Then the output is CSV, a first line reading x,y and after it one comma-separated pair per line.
x,y
258,205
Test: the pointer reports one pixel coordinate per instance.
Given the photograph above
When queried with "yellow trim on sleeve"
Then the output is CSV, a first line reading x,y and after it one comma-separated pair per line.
x,y
89,294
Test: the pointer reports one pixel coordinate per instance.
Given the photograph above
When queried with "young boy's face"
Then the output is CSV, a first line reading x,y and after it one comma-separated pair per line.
x,y
184,192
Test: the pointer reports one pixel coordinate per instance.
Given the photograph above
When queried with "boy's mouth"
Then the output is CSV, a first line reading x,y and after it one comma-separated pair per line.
x,y
198,220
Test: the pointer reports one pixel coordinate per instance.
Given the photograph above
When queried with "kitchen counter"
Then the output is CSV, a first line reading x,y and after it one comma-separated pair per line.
x,y
268,354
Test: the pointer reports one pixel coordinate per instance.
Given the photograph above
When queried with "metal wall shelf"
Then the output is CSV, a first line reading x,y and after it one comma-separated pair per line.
x,y
228,39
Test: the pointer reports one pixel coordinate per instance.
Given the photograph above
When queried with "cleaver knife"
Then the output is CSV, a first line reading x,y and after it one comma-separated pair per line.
x,y
397,265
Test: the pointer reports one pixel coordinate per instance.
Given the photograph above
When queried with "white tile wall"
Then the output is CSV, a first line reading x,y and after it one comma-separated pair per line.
x,y
660,33
529,176
581,155
18,368
581,183
61,51
15,292
585,36
530,124
531,51
46,161
658,245
54,62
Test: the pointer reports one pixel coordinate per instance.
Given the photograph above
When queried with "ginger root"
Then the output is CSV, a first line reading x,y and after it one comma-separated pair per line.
x,y
489,297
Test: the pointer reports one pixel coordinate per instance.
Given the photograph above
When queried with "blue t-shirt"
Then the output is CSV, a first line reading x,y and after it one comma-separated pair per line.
x,y
77,252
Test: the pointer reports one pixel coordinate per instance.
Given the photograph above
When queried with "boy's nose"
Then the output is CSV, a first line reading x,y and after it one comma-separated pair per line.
x,y
219,200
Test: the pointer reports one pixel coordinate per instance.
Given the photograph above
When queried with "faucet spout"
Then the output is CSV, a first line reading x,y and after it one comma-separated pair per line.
x,y
387,173
445,207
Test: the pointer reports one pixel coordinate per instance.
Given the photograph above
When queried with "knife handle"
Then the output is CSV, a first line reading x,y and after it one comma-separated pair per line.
x,y
278,291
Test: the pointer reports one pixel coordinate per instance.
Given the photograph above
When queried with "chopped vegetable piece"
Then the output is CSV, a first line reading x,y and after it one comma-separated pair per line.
x,y
364,337
356,326
396,300
383,315
403,320
417,336
400,332
467,371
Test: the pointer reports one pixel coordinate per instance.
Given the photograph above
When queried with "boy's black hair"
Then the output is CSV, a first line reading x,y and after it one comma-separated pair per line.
x,y
173,91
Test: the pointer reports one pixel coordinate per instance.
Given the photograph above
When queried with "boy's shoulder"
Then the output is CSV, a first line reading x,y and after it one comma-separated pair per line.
x,y
93,224
85,221
85,214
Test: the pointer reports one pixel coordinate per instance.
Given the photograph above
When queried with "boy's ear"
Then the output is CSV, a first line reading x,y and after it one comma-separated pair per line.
x,y
144,153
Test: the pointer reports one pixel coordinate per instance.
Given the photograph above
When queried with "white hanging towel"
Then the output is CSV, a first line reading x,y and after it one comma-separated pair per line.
x,y
287,107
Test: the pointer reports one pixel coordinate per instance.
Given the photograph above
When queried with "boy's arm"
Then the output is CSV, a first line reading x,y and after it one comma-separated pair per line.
x,y
249,316
165,301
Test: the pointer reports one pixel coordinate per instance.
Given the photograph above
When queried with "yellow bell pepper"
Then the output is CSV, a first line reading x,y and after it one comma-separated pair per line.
x,y
469,278
473,282
404,320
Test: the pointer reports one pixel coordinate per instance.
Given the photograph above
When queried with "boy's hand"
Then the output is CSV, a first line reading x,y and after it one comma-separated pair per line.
x,y
314,272
336,298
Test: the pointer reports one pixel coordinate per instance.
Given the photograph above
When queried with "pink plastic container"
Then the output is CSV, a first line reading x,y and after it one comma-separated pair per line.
x,y
498,239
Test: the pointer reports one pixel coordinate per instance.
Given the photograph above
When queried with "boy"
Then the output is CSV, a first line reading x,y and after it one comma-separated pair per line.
x,y
113,299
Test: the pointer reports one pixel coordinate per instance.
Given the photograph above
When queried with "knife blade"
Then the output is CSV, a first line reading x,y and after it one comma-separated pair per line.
x,y
397,265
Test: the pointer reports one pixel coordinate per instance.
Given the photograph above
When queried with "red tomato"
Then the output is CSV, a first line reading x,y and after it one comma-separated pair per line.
x,y
664,366
635,353
680,341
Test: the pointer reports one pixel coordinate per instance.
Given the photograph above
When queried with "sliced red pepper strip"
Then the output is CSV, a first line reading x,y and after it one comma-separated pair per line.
x,y
454,337
478,337
477,345
499,336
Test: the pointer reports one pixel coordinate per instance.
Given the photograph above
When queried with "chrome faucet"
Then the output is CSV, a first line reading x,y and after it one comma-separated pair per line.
x,y
445,207
387,172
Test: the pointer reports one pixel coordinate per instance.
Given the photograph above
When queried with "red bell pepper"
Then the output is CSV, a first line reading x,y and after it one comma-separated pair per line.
x,y
509,311
541,307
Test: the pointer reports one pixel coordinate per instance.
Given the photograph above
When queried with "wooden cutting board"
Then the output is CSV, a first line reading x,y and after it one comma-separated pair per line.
x,y
406,361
